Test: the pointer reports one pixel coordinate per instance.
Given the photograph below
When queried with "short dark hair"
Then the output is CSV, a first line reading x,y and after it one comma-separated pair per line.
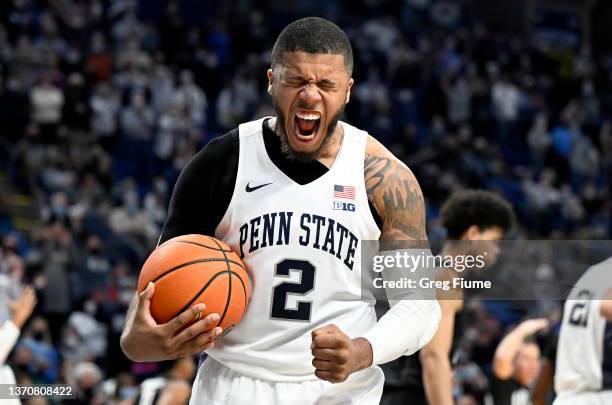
x,y
484,209
313,35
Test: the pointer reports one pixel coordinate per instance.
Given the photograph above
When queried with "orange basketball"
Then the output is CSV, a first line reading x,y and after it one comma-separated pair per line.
x,y
192,269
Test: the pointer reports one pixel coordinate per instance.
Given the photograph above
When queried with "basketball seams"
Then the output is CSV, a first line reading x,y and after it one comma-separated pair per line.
x,y
180,266
201,245
229,284
233,273
213,278
195,297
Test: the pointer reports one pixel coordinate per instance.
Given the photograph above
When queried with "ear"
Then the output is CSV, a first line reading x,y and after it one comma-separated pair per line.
x,y
270,75
472,233
348,91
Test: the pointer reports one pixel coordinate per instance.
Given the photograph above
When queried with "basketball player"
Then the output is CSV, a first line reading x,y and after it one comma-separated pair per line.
x,y
583,370
468,215
295,196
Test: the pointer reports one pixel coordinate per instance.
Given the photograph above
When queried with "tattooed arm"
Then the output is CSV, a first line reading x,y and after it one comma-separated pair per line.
x,y
409,324
394,191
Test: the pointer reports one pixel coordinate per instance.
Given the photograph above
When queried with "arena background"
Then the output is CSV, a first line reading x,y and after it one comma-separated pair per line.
x,y
103,102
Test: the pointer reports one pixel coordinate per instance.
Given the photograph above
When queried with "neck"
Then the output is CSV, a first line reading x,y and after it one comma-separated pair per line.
x,y
329,150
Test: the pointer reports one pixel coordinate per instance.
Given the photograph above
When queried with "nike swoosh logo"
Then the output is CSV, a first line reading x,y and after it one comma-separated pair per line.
x,y
251,189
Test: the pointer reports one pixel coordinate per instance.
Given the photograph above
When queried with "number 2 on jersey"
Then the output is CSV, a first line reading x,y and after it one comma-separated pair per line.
x,y
282,290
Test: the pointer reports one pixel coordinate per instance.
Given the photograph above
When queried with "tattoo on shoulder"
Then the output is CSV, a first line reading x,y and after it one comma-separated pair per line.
x,y
375,169
395,193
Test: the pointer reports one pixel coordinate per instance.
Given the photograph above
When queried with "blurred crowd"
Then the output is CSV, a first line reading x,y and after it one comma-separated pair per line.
x,y
103,103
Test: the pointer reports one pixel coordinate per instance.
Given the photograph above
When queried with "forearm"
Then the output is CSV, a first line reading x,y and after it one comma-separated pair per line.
x,y
437,379
405,328
9,333
503,361
507,351
510,345
129,321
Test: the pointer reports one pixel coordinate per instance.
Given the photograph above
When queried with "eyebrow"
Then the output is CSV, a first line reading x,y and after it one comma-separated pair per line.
x,y
324,82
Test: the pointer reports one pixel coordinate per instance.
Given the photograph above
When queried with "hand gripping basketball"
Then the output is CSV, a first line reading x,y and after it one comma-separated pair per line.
x,y
184,279
146,340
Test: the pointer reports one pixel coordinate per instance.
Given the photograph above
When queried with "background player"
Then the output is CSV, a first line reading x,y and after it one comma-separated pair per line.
x,y
426,378
297,193
583,370
516,364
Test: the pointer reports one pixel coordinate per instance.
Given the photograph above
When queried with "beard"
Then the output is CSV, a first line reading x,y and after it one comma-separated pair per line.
x,y
287,150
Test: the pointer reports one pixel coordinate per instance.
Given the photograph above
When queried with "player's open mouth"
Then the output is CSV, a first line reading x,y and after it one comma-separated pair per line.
x,y
306,125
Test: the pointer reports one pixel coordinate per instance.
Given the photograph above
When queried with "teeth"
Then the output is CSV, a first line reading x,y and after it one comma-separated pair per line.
x,y
297,132
310,117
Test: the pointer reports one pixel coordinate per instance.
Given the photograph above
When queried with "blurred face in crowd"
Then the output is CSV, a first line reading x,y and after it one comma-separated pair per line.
x,y
309,92
39,329
527,364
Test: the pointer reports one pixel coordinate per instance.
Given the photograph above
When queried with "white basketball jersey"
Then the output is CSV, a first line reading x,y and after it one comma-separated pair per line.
x,y
150,390
301,245
584,352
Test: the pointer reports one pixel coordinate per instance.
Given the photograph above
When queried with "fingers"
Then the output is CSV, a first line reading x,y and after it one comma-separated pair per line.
x,y
144,298
28,297
184,319
202,342
330,341
535,325
207,338
337,356
324,330
323,365
199,327
542,324
328,376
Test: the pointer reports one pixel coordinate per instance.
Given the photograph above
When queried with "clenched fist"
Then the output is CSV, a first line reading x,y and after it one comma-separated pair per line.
x,y
336,356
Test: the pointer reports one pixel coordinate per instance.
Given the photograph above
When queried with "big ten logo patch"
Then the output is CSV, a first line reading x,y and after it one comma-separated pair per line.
x,y
344,206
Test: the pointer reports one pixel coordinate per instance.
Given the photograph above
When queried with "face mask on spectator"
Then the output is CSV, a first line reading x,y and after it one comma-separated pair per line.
x,y
127,392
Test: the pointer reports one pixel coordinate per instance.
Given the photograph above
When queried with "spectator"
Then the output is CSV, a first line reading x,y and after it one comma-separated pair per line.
x,y
37,353
505,97
516,365
191,99
104,105
459,97
99,62
84,338
232,105
85,377
95,267
137,119
539,140
47,102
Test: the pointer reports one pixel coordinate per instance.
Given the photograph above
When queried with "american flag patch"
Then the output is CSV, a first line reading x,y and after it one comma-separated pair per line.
x,y
347,192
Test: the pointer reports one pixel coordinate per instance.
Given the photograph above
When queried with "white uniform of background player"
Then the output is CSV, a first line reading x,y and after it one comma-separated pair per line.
x,y
583,373
266,359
